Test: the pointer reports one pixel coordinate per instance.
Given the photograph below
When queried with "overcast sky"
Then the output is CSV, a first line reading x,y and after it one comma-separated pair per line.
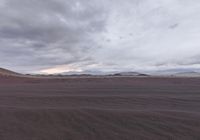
x,y
53,36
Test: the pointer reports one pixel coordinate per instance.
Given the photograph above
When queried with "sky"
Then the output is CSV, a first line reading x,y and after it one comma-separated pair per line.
x,y
55,36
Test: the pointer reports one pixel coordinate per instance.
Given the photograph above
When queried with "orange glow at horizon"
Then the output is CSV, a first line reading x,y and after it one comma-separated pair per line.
x,y
60,69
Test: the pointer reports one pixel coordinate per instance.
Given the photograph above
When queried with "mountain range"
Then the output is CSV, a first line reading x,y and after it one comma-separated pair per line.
x,y
6,72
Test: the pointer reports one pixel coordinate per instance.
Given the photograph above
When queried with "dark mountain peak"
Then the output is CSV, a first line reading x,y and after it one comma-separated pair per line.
x,y
130,74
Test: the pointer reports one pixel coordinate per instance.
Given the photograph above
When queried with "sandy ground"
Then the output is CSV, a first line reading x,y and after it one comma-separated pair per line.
x,y
114,108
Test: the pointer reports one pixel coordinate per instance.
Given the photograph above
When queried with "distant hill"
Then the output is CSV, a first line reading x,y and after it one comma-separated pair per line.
x,y
130,74
5,72
177,72
94,73
187,74
84,73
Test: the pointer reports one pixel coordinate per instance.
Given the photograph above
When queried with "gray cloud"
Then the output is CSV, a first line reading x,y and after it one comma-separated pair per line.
x,y
36,34
99,35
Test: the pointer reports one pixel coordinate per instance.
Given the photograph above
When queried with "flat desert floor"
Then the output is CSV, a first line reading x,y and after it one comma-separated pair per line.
x,y
104,108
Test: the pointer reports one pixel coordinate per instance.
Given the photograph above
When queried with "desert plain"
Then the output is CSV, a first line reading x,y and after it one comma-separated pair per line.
x,y
99,108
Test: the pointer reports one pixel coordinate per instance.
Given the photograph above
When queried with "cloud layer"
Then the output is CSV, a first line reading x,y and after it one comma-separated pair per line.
x,y
69,35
